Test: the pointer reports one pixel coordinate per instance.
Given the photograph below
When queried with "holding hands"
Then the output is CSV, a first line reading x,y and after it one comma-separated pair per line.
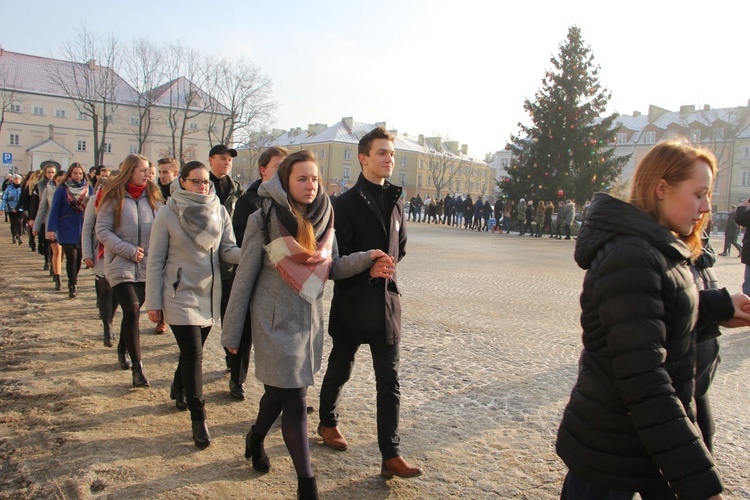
x,y
383,265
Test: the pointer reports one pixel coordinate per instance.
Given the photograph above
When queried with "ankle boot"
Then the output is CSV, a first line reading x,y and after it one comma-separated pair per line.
x,y
254,448
178,395
56,279
307,488
122,357
108,335
72,291
139,379
200,435
46,266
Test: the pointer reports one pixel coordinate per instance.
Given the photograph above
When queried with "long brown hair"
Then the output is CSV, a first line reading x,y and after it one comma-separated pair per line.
x,y
673,161
72,167
305,233
114,190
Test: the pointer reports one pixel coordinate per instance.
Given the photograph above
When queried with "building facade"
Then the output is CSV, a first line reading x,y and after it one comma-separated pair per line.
x,y
50,107
423,165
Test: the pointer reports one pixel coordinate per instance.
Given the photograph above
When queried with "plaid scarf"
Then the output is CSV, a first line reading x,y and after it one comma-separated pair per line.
x,y
78,194
305,273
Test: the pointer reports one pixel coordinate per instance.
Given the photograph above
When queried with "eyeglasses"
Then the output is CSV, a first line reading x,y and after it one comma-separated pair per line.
x,y
198,182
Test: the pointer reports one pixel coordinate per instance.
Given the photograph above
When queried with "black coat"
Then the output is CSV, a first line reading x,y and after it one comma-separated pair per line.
x,y
246,205
742,218
630,418
363,310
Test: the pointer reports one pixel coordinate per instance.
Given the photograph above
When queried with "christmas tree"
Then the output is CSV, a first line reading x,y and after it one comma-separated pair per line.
x,y
568,153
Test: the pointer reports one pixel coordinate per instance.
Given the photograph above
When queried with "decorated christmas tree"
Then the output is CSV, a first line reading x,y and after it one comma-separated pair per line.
x,y
568,152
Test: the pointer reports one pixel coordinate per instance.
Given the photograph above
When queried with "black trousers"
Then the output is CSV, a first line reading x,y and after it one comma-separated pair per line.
x,y
130,296
73,259
16,224
385,362
189,373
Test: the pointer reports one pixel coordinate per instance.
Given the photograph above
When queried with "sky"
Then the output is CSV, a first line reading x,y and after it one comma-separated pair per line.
x,y
457,69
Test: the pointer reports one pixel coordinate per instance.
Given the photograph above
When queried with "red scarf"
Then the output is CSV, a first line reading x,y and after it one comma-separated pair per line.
x,y
135,191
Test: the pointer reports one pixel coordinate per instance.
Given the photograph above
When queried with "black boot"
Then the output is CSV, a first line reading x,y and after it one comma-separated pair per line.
x,y
122,357
72,291
307,488
139,379
254,448
200,435
56,279
178,395
46,266
108,338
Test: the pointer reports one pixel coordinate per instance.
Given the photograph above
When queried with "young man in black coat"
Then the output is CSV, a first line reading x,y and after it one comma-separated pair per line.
x,y
367,310
246,205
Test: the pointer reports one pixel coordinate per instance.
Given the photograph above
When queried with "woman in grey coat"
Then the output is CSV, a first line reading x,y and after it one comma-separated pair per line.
x,y
288,252
123,225
183,281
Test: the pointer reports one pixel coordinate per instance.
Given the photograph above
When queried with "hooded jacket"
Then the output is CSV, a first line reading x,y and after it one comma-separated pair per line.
x,y
629,424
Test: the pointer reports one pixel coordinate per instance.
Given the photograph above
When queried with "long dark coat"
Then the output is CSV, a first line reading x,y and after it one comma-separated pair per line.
x,y
366,311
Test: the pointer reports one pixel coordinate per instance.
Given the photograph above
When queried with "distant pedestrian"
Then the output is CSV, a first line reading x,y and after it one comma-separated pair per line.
x,y
730,233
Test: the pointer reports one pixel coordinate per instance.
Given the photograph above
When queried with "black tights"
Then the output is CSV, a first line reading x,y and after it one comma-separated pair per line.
x,y
293,424
189,373
130,296
72,262
106,300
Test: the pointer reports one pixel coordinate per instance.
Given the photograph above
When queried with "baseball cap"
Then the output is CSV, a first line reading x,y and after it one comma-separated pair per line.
x,y
220,148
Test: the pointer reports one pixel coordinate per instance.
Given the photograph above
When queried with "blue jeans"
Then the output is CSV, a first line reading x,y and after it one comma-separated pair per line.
x,y
575,488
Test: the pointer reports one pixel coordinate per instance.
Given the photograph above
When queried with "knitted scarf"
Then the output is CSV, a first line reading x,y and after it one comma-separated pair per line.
x,y
78,194
305,273
199,216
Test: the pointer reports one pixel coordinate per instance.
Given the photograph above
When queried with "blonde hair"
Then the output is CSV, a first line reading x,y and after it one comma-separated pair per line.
x,y
672,160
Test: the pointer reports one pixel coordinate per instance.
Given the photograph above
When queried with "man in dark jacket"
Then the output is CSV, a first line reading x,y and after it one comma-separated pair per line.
x,y
366,310
246,205
168,169
730,233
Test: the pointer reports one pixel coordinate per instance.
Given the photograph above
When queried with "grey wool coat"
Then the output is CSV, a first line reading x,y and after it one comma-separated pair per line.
x,y
89,243
287,330
121,244
182,279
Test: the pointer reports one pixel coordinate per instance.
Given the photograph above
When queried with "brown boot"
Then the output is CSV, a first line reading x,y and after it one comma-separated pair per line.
x,y
397,466
332,437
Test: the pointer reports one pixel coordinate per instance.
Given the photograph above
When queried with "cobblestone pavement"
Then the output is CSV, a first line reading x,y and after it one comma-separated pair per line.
x,y
490,344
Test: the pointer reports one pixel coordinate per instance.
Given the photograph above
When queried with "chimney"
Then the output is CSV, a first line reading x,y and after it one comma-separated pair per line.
x,y
92,64
706,107
380,124
421,137
348,123
655,112
465,149
687,109
636,113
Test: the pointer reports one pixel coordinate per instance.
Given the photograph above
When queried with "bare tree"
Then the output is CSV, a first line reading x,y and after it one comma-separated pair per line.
x,y
144,69
444,162
90,79
243,101
182,95
9,96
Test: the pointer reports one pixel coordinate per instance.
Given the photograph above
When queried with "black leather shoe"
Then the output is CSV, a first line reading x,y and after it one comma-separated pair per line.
x,y
73,291
200,435
122,357
237,391
307,488
178,395
139,379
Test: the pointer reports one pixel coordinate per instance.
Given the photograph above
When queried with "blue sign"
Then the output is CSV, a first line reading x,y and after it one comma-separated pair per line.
x,y
7,158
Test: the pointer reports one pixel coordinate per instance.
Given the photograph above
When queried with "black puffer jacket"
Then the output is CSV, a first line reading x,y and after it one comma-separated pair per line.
x,y
631,411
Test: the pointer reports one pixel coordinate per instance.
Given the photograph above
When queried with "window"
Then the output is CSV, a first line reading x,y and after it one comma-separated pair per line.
x,y
622,137
38,110
134,120
458,185
420,164
695,135
403,161
322,154
109,118
107,147
347,171
14,108
347,154
60,113
193,126
429,181
82,116
14,140
81,145
419,180
650,137
718,134
403,178
746,178
747,153
133,149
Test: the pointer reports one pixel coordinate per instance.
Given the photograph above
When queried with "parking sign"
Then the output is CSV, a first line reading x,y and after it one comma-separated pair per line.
x,y
7,158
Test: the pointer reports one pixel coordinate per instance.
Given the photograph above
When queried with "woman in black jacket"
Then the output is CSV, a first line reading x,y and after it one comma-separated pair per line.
x,y
630,423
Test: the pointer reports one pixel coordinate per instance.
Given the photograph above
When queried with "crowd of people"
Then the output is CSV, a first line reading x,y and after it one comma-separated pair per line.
x,y
501,217
195,250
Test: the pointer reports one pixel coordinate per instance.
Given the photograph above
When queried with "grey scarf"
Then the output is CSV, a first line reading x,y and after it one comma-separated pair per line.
x,y
199,215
